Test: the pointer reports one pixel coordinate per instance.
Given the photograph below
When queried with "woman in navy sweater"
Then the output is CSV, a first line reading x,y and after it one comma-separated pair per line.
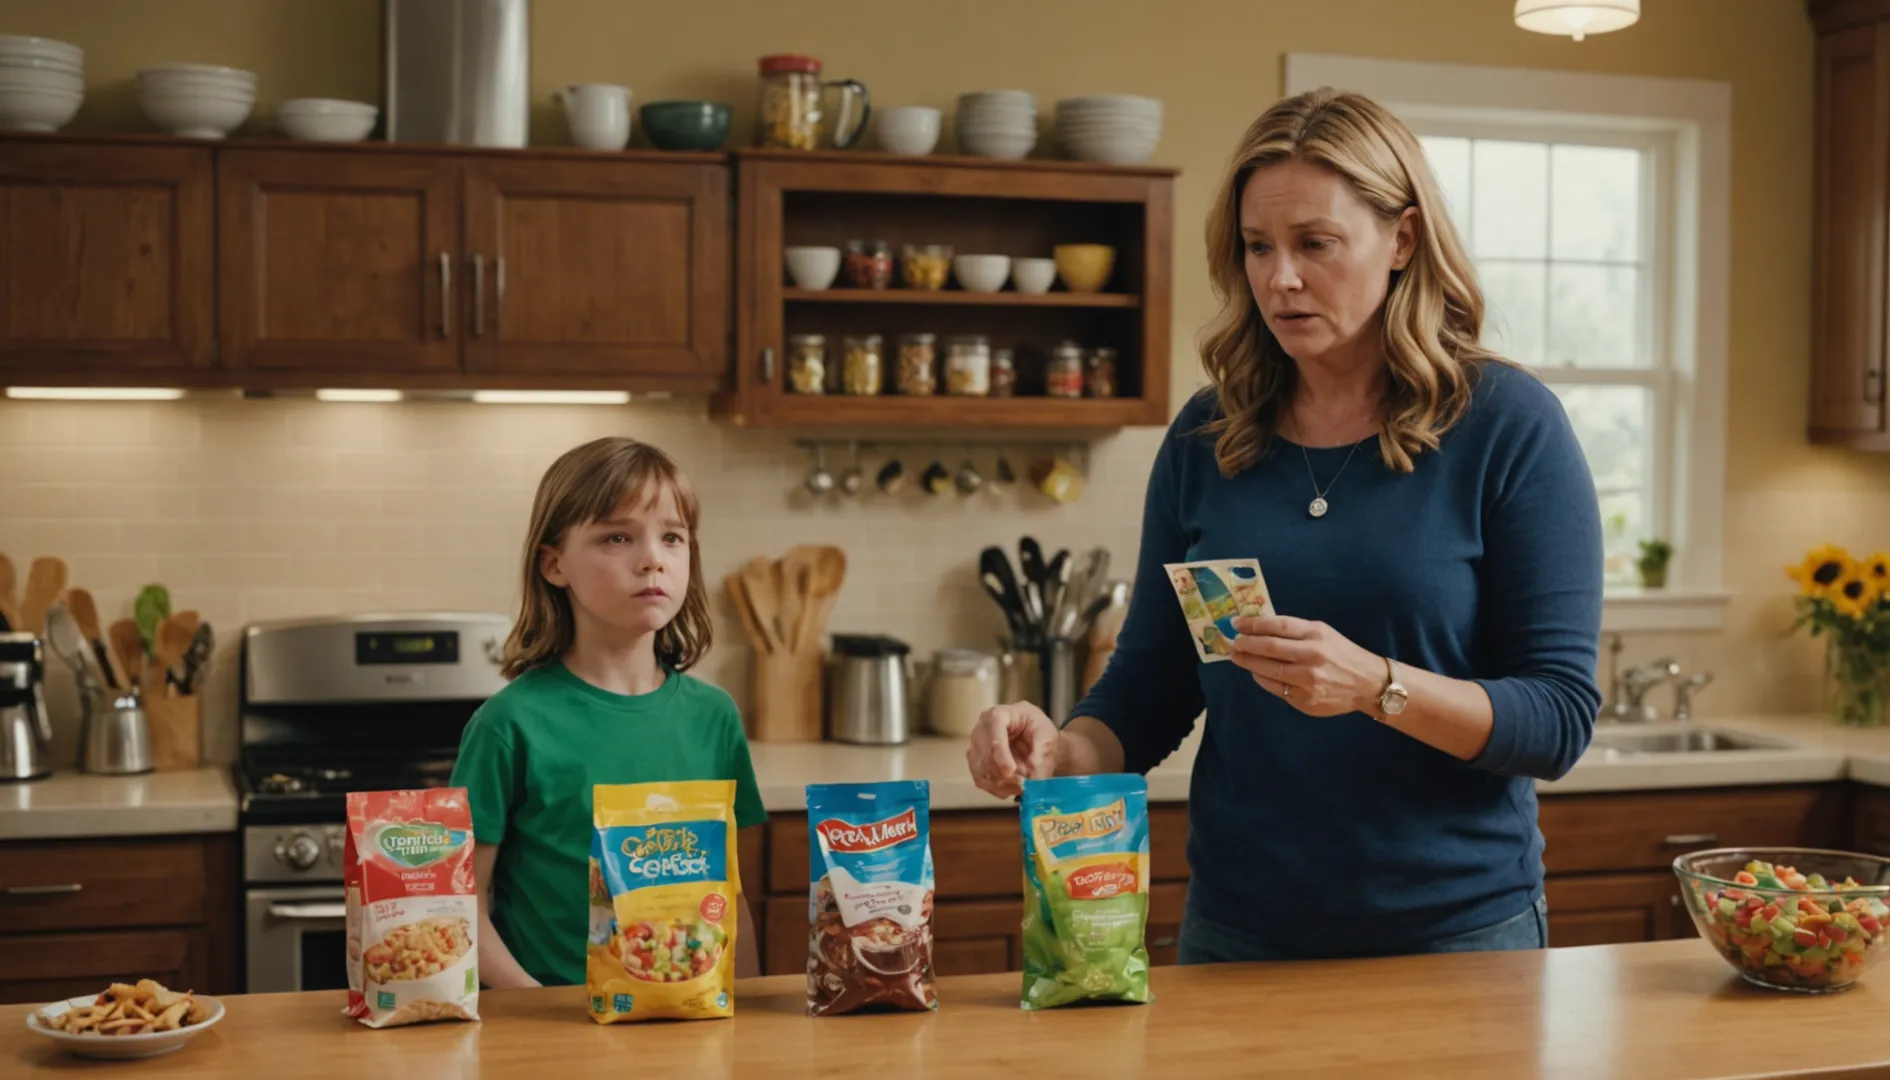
x,y
1429,532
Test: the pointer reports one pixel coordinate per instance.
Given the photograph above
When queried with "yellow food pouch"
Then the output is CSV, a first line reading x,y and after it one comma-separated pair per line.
x,y
664,886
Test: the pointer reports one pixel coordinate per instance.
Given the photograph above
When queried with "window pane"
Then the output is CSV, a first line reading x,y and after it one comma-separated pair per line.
x,y
1511,215
1611,422
1515,318
1450,163
1596,205
1594,316
1623,524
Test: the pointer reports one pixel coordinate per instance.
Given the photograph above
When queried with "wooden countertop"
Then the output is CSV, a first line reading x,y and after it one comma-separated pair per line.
x,y
1664,1009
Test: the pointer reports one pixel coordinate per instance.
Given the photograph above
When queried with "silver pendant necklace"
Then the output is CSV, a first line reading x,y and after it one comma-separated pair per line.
x,y
1318,507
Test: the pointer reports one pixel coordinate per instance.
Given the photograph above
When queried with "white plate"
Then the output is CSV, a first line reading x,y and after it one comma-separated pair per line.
x,y
119,1047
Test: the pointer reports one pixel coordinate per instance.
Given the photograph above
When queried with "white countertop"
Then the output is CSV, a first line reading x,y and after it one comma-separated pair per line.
x,y
76,804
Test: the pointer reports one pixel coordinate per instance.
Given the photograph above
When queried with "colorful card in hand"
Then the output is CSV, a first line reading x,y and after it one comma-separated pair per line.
x,y
1213,594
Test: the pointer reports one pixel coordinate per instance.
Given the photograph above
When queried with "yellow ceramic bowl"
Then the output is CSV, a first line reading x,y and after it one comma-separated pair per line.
x,y
1085,267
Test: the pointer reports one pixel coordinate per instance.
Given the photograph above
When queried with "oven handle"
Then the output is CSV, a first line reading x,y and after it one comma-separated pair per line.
x,y
309,911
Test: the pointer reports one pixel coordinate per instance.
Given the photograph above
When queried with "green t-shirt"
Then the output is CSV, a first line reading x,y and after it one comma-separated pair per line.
x,y
528,760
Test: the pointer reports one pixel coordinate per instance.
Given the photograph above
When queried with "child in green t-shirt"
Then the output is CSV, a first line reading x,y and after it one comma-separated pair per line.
x,y
613,612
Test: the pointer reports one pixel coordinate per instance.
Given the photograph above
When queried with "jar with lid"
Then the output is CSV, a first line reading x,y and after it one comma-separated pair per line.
x,y
869,264
790,107
863,370
1003,374
1101,377
1063,375
965,682
807,363
968,366
918,364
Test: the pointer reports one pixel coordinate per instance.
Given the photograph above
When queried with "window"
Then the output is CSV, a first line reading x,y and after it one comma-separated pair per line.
x,y
1595,208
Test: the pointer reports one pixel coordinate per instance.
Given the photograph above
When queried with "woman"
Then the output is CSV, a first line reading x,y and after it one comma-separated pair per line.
x,y
1430,533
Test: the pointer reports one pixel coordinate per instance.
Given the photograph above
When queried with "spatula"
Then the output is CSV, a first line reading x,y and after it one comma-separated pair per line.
x,y
9,594
173,641
85,612
746,613
758,581
45,584
128,649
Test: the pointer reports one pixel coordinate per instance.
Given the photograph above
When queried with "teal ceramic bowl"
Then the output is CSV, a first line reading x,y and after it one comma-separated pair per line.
x,y
686,125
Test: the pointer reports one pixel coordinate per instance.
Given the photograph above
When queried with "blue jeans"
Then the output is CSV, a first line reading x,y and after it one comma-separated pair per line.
x,y
1204,942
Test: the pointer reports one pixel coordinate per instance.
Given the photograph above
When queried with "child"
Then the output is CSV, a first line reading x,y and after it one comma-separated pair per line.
x,y
613,612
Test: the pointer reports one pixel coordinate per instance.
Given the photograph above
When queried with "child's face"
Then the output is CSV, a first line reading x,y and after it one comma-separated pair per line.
x,y
629,571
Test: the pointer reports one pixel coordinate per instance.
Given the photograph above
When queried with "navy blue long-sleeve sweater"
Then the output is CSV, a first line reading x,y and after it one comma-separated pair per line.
x,y
1341,836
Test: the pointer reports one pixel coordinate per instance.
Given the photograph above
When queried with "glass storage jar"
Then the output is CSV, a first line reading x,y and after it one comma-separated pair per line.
x,y
790,103
869,264
863,369
1101,380
807,363
918,365
968,366
1003,374
1063,376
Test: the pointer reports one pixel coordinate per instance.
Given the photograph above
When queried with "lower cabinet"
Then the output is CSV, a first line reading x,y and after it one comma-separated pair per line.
x,y
1608,909
1873,820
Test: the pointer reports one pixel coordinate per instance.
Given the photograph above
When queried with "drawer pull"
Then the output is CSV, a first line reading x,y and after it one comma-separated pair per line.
x,y
1690,839
44,890
309,911
1163,943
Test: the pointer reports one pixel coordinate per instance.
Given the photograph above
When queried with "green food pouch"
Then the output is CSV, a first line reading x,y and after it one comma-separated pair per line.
x,y
1086,873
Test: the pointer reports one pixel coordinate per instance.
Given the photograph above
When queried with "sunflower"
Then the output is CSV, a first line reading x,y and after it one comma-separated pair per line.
x,y
1822,569
1877,569
1853,594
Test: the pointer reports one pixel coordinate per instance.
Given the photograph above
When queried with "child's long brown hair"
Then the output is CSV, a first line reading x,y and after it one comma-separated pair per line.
x,y
582,487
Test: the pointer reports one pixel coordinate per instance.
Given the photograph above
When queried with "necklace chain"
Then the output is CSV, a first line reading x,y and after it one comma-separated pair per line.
x,y
1319,506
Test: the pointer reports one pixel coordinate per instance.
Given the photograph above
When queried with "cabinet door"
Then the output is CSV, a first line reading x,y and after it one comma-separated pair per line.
x,y
105,261
1611,909
1873,820
977,937
1851,195
605,272
339,263
49,967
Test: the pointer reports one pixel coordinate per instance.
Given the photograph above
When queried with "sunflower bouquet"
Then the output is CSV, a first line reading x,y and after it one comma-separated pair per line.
x,y
1847,601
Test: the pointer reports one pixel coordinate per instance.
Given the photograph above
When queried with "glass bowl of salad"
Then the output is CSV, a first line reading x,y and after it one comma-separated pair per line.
x,y
1800,919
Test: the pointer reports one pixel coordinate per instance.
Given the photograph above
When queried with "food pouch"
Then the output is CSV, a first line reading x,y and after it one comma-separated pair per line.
x,y
664,886
1085,890
869,856
412,909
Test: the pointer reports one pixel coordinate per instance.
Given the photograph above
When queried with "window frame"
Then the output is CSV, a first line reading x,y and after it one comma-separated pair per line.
x,y
1687,123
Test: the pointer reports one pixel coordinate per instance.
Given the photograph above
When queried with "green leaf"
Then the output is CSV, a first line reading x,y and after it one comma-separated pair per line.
x,y
152,607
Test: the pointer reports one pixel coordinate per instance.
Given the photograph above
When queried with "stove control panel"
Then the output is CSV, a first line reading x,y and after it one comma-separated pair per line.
x,y
293,852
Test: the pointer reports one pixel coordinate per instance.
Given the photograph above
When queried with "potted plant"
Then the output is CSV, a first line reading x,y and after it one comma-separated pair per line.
x,y
1652,565
1847,601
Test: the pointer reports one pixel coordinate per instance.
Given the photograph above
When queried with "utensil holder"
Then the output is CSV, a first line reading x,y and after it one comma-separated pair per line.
x,y
176,734
787,689
1020,675
1059,679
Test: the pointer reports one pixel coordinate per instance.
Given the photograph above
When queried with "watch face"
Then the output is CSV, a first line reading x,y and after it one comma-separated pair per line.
x,y
1392,703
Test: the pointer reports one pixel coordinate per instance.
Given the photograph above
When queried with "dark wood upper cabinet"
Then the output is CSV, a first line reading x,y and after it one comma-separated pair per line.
x,y
105,262
598,270
339,264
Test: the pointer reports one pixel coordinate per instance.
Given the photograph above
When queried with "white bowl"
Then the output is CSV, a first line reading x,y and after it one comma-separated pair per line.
x,y
907,129
1032,275
41,65
1113,153
197,71
195,115
119,1047
813,268
997,144
1002,97
1123,102
32,78
37,110
981,273
326,120
17,45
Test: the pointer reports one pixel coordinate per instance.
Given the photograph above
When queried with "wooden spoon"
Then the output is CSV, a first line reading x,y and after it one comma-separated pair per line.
x,y
128,649
85,612
798,608
758,583
45,584
823,590
756,639
9,599
173,641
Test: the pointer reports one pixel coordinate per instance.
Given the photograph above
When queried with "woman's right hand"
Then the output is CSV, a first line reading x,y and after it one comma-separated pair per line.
x,y
1012,743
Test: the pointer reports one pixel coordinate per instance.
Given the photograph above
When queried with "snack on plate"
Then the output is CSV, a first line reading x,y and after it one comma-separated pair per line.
x,y
144,1009
869,856
1810,942
412,907
1085,890
664,888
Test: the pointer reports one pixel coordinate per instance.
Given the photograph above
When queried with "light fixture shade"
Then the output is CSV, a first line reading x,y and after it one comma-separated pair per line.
x,y
1576,18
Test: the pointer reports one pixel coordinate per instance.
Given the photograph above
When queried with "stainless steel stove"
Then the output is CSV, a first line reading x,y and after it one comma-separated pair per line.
x,y
329,706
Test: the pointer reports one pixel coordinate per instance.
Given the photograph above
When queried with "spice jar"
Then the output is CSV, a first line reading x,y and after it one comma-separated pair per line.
x,y
968,366
1063,376
926,266
1003,374
1101,380
918,365
869,264
807,363
863,369
790,103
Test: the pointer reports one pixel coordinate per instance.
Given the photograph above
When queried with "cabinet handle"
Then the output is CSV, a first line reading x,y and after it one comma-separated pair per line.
x,y
498,299
446,295
1674,900
1689,839
309,911
44,890
1163,943
767,364
479,294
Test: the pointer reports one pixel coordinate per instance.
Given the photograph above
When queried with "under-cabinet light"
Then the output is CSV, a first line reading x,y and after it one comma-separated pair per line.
x,y
552,397
358,395
94,393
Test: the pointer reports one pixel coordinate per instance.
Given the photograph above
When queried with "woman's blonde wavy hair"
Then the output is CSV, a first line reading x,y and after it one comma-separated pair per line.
x,y
581,487
1433,313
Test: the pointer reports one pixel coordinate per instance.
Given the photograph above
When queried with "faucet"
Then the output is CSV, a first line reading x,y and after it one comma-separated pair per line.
x,y
1616,707
1637,681
1683,694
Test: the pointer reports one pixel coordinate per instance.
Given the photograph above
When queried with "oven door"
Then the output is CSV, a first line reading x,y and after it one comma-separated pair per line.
x,y
296,939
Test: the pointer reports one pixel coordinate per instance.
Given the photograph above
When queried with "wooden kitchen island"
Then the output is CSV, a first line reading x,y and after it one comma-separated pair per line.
x,y
1663,1009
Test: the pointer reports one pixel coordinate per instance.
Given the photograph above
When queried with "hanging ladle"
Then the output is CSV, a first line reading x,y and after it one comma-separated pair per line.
x,y
969,480
853,479
820,481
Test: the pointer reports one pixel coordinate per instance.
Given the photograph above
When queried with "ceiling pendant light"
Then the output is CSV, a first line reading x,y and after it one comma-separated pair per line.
x,y
1576,18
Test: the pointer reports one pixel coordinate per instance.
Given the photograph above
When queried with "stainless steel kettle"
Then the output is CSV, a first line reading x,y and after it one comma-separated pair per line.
x,y
869,690
25,726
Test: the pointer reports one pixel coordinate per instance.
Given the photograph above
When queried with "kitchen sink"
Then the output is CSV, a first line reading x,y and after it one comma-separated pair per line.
x,y
1682,739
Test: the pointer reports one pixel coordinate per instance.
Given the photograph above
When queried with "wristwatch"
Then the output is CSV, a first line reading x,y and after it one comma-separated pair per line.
x,y
1393,698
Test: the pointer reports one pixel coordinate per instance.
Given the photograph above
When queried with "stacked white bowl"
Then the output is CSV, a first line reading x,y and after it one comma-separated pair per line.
x,y
198,101
326,119
997,123
1115,129
42,82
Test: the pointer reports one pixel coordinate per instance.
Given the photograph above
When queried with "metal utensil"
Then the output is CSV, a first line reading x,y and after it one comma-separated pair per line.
x,y
968,479
203,645
68,643
1003,477
994,570
1113,594
892,477
853,479
1030,562
820,481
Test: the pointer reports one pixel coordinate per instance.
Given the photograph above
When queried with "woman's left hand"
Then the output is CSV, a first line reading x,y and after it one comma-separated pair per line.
x,y
1316,669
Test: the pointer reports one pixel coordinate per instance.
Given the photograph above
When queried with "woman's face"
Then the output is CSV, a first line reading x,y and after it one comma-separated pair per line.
x,y
1319,259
